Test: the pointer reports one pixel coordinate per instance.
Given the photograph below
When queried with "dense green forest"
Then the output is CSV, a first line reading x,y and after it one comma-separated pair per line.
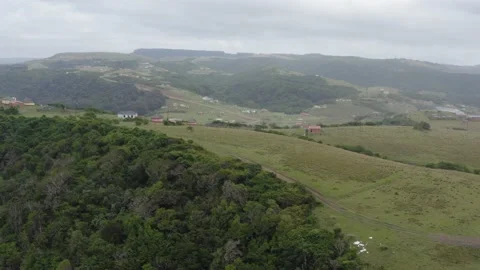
x,y
268,88
75,89
82,193
460,84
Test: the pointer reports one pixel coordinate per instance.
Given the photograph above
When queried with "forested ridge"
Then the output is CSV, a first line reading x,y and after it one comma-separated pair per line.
x,y
81,193
76,89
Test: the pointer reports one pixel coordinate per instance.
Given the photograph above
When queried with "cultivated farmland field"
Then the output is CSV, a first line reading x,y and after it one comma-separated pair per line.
x,y
404,208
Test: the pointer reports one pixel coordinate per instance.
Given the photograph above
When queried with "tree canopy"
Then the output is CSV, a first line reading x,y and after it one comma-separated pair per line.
x,y
85,194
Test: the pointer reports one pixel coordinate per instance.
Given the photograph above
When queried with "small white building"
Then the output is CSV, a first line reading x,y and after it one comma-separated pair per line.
x,y
127,114
9,100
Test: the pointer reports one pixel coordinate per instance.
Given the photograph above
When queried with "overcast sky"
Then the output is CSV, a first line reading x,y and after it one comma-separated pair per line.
x,y
446,31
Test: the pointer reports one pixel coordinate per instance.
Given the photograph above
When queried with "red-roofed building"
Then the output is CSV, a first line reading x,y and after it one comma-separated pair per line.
x,y
192,122
314,129
157,119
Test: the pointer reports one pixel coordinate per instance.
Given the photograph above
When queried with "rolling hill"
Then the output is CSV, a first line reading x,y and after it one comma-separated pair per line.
x,y
460,84
84,194
269,88
76,89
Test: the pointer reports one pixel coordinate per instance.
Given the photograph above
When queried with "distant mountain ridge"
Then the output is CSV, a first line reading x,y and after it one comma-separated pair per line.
x,y
166,53
14,60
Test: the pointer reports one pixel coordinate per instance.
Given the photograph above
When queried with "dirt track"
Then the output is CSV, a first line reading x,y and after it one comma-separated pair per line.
x,y
454,240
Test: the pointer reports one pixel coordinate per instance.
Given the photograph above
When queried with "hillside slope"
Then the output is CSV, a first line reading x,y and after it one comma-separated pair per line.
x,y
269,88
461,84
84,194
75,89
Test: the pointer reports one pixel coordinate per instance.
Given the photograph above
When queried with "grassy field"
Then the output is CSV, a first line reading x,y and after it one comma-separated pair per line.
x,y
442,143
417,199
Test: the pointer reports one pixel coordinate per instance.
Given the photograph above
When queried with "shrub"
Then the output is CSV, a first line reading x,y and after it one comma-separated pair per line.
x,y
306,138
270,131
9,111
449,166
358,149
422,126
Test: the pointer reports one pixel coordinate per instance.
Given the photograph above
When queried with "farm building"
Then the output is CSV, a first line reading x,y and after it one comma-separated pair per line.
x,y
11,101
175,120
157,119
127,114
474,117
192,122
314,129
28,102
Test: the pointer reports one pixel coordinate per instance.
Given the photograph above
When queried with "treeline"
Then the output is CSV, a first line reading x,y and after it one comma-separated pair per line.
x,y
391,120
80,193
76,90
9,110
359,149
452,167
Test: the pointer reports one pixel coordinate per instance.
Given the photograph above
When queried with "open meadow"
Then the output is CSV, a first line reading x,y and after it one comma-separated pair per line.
x,y
447,141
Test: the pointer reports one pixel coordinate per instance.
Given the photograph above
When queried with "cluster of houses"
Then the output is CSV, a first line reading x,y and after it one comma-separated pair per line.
x,y
209,99
458,113
12,101
249,111
155,119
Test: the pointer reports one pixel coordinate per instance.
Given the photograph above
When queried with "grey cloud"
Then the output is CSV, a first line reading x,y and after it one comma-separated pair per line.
x,y
440,30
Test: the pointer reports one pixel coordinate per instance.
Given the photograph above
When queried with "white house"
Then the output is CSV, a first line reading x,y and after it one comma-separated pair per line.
x,y
9,100
127,114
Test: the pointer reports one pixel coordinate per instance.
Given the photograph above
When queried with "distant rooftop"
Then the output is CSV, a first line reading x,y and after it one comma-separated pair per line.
x,y
127,112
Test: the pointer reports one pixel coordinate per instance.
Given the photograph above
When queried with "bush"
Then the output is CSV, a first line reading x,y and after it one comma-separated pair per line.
x,y
226,124
449,166
422,126
270,131
359,149
9,111
306,138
